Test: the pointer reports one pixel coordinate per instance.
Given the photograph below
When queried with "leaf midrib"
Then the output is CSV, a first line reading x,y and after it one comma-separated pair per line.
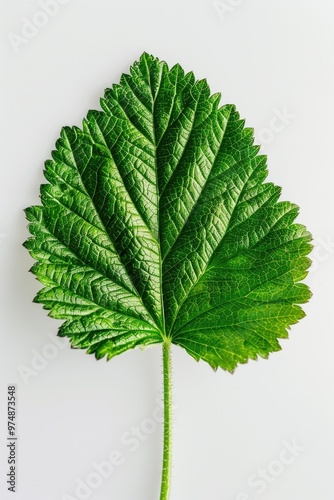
x,y
162,305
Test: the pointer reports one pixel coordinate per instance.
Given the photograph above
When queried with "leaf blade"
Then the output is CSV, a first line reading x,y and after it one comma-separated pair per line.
x,y
157,222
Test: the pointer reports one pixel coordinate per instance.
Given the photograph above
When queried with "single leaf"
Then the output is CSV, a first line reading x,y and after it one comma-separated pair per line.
x,y
157,223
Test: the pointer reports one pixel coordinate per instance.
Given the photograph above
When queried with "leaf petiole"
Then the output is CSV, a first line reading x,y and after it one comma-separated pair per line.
x,y
167,444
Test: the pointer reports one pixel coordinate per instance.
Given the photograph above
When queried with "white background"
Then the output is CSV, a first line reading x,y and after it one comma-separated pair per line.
x,y
266,57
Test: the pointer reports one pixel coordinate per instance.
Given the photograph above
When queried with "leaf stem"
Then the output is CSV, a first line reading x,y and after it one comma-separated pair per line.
x,y
167,446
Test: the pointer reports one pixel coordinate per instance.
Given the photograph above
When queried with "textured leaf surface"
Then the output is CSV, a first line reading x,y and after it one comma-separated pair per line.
x,y
156,222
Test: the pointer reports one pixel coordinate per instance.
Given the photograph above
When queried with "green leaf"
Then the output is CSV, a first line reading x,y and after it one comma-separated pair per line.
x,y
156,222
